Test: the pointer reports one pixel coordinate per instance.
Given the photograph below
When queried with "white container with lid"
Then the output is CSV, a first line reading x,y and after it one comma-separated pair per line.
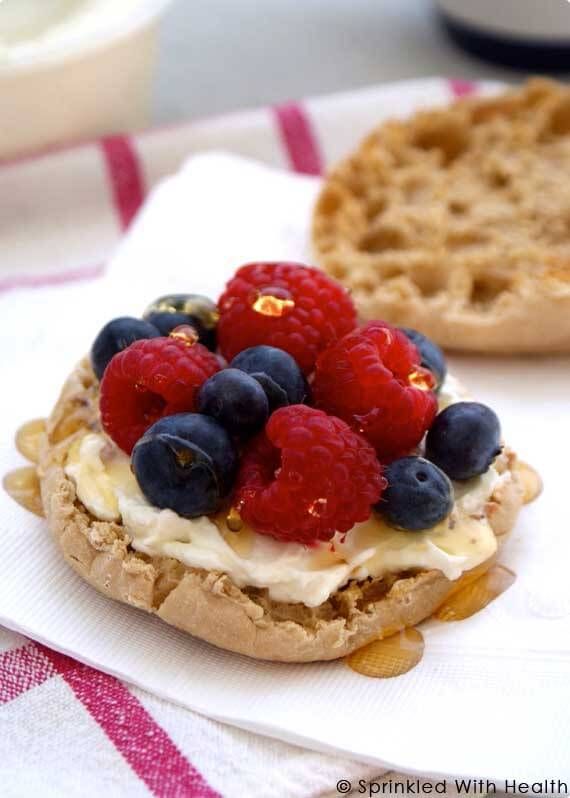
x,y
73,69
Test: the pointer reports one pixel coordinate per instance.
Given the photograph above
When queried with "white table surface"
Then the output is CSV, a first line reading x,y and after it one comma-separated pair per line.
x,y
221,55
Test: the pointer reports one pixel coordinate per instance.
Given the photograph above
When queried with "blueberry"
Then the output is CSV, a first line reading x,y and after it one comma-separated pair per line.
x,y
277,373
236,400
464,440
165,322
186,463
419,495
168,312
430,353
115,336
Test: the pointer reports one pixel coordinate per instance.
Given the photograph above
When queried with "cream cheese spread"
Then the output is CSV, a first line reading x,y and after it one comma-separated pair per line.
x,y
291,572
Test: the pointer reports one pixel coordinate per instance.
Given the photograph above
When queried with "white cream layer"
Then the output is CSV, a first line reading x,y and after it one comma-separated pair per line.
x,y
291,572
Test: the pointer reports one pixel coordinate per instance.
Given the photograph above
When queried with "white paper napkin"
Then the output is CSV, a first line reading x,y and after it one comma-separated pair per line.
x,y
491,696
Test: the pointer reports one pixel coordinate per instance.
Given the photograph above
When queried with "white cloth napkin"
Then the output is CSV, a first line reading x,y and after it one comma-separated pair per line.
x,y
491,696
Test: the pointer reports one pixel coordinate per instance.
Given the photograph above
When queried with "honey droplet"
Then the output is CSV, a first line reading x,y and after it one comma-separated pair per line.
x,y
28,439
476,595
421,378
237,534
275,302
530,480
23,486
318,508
185,333
391,656
233,520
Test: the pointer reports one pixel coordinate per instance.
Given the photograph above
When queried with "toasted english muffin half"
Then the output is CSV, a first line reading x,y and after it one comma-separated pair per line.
x,y
207,604
457,222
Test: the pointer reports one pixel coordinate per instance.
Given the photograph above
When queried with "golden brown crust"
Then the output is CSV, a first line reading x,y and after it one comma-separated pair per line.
x,y
206,603
457,221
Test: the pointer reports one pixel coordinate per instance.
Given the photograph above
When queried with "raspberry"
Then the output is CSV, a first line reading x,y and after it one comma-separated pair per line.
x,y
286,305
308,476
148,380
372,379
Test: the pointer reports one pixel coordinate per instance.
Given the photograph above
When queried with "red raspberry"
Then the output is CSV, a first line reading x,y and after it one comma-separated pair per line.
x,y
148,380
372,378
307,477
292,307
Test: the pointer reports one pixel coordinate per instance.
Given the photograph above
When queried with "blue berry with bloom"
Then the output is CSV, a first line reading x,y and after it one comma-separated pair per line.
x,y
186,463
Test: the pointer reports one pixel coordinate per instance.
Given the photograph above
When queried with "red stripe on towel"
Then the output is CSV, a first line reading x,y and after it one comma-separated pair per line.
x,y
125,174
136,735
462,88
42,280
144,744
298,138
20,670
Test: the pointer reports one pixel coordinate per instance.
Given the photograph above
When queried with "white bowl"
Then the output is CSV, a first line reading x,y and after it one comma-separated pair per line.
x,y
74,69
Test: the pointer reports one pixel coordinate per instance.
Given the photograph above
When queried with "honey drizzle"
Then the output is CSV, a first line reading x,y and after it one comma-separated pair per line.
x,y
389,657
400,652
28,439
530,480
468,577
235,532
475,596
23,485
